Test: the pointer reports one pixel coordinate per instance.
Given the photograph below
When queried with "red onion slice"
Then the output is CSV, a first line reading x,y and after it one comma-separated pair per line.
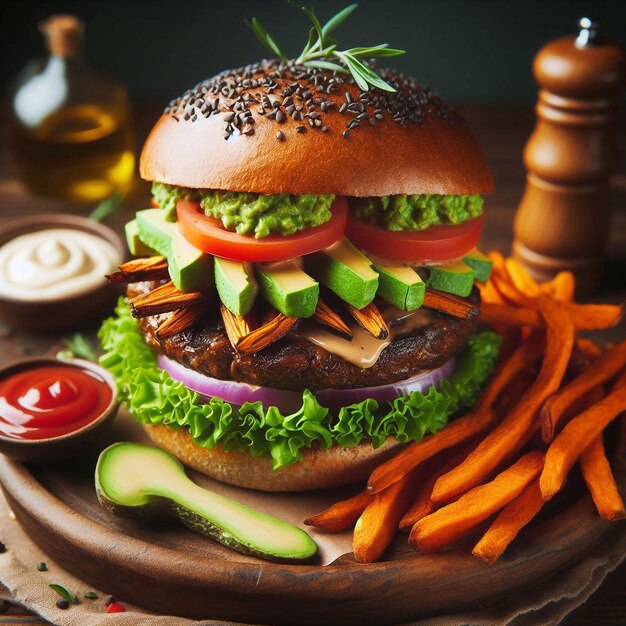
x,y
289,401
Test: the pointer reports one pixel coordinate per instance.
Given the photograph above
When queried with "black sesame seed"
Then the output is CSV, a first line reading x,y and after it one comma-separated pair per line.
x,y
324,129
288,84
42,567
280,136
301,129
280,117
346,133
109,600
63,604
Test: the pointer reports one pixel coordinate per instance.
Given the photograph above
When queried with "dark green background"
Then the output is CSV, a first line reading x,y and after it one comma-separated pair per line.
x,y
469,50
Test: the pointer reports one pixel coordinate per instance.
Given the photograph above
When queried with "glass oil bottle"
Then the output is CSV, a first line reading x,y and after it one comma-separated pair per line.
x,y
70,126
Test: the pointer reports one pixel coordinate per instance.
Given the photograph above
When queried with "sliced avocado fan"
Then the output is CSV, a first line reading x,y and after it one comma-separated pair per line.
x,y
134,480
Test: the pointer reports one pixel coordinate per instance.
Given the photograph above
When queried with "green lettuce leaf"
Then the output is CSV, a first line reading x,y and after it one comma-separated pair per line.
x,y
154,397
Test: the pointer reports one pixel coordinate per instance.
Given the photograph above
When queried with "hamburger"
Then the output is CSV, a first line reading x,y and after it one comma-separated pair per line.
x,y
302,301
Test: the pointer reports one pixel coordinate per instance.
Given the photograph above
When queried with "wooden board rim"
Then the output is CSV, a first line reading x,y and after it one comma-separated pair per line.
x,y
356,588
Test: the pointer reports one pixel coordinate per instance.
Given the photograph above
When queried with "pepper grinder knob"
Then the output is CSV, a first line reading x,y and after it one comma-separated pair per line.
x,y
588,32
563,218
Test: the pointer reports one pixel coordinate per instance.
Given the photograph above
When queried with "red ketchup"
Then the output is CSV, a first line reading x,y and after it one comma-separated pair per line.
x,y
46,402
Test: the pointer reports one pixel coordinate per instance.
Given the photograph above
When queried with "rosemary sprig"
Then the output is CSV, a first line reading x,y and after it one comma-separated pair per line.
x,y
321,51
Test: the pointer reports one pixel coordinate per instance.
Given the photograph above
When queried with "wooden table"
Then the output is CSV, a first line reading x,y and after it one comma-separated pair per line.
x,y
502,132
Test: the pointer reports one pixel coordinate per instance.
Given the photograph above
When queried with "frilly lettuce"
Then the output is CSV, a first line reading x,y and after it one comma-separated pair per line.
x,y
154,397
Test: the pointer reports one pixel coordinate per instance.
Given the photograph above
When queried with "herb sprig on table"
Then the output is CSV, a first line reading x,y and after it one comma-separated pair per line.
x,y
321,51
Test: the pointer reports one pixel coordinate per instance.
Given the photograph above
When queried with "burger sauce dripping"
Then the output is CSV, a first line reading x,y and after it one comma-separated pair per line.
x,y
364,350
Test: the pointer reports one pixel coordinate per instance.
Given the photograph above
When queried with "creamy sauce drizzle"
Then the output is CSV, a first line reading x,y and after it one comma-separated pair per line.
x,y
365,350
54,263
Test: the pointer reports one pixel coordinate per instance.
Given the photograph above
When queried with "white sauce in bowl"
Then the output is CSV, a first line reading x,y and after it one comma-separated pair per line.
x,y
54,264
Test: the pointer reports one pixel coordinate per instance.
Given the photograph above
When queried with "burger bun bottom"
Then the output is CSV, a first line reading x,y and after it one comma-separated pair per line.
x,y
319,469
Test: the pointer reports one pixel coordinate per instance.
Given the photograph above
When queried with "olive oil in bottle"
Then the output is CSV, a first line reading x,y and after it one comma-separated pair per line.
x,y
70,125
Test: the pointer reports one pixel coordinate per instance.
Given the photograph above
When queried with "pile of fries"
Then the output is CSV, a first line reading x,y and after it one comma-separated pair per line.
x,y
545,408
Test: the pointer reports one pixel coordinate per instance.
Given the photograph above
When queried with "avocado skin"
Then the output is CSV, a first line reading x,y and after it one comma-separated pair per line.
x,y
160,507
457,279
301,302
342,280
189,269
404,296
481,265
238,301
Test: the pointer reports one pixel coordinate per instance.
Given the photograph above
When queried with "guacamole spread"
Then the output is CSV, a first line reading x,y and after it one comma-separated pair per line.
x,y
166,197
261,215
250,213
417,212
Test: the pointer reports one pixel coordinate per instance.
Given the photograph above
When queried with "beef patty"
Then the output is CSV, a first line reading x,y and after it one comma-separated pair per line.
x,y
295,363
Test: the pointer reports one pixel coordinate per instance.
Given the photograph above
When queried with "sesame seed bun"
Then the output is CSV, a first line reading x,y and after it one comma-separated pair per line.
x,y
239,132
319,469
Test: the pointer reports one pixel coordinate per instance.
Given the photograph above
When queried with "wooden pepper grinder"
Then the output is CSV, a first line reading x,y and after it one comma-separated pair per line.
x,y
563,218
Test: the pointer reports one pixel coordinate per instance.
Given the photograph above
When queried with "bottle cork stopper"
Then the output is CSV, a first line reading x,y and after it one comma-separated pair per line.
x,y
63,34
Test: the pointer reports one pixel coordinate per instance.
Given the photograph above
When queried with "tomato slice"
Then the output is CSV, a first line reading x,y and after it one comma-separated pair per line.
x,y
207,234
437,243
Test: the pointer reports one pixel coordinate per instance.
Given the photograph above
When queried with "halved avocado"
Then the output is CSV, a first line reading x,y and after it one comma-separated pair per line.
x,y
133,480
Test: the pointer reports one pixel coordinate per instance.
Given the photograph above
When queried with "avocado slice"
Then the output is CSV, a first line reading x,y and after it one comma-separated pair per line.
x,y
346,272
134,243
481,265
190,269
401,286
235,285
455,277
134,480
288,288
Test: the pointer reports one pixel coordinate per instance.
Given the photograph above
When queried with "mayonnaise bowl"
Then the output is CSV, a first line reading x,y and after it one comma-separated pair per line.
x,y
52,271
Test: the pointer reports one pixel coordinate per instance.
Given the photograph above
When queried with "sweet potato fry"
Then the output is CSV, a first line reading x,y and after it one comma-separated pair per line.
x,y
413,454
588,348
583,316
563,286
599,372
378,524
521,278
571,442
341,515
462,429
523,357
513,517
597,473
422,505
451,522
488,293
509,292
518,425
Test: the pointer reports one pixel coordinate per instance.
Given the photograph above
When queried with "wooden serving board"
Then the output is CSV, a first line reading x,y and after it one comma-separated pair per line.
x,y
170,570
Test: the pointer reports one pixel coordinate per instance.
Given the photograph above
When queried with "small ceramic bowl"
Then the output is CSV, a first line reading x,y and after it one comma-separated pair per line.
x,y
63,313
57,448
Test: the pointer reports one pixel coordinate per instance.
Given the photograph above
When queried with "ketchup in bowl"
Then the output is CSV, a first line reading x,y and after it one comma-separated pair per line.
x,y
49,401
